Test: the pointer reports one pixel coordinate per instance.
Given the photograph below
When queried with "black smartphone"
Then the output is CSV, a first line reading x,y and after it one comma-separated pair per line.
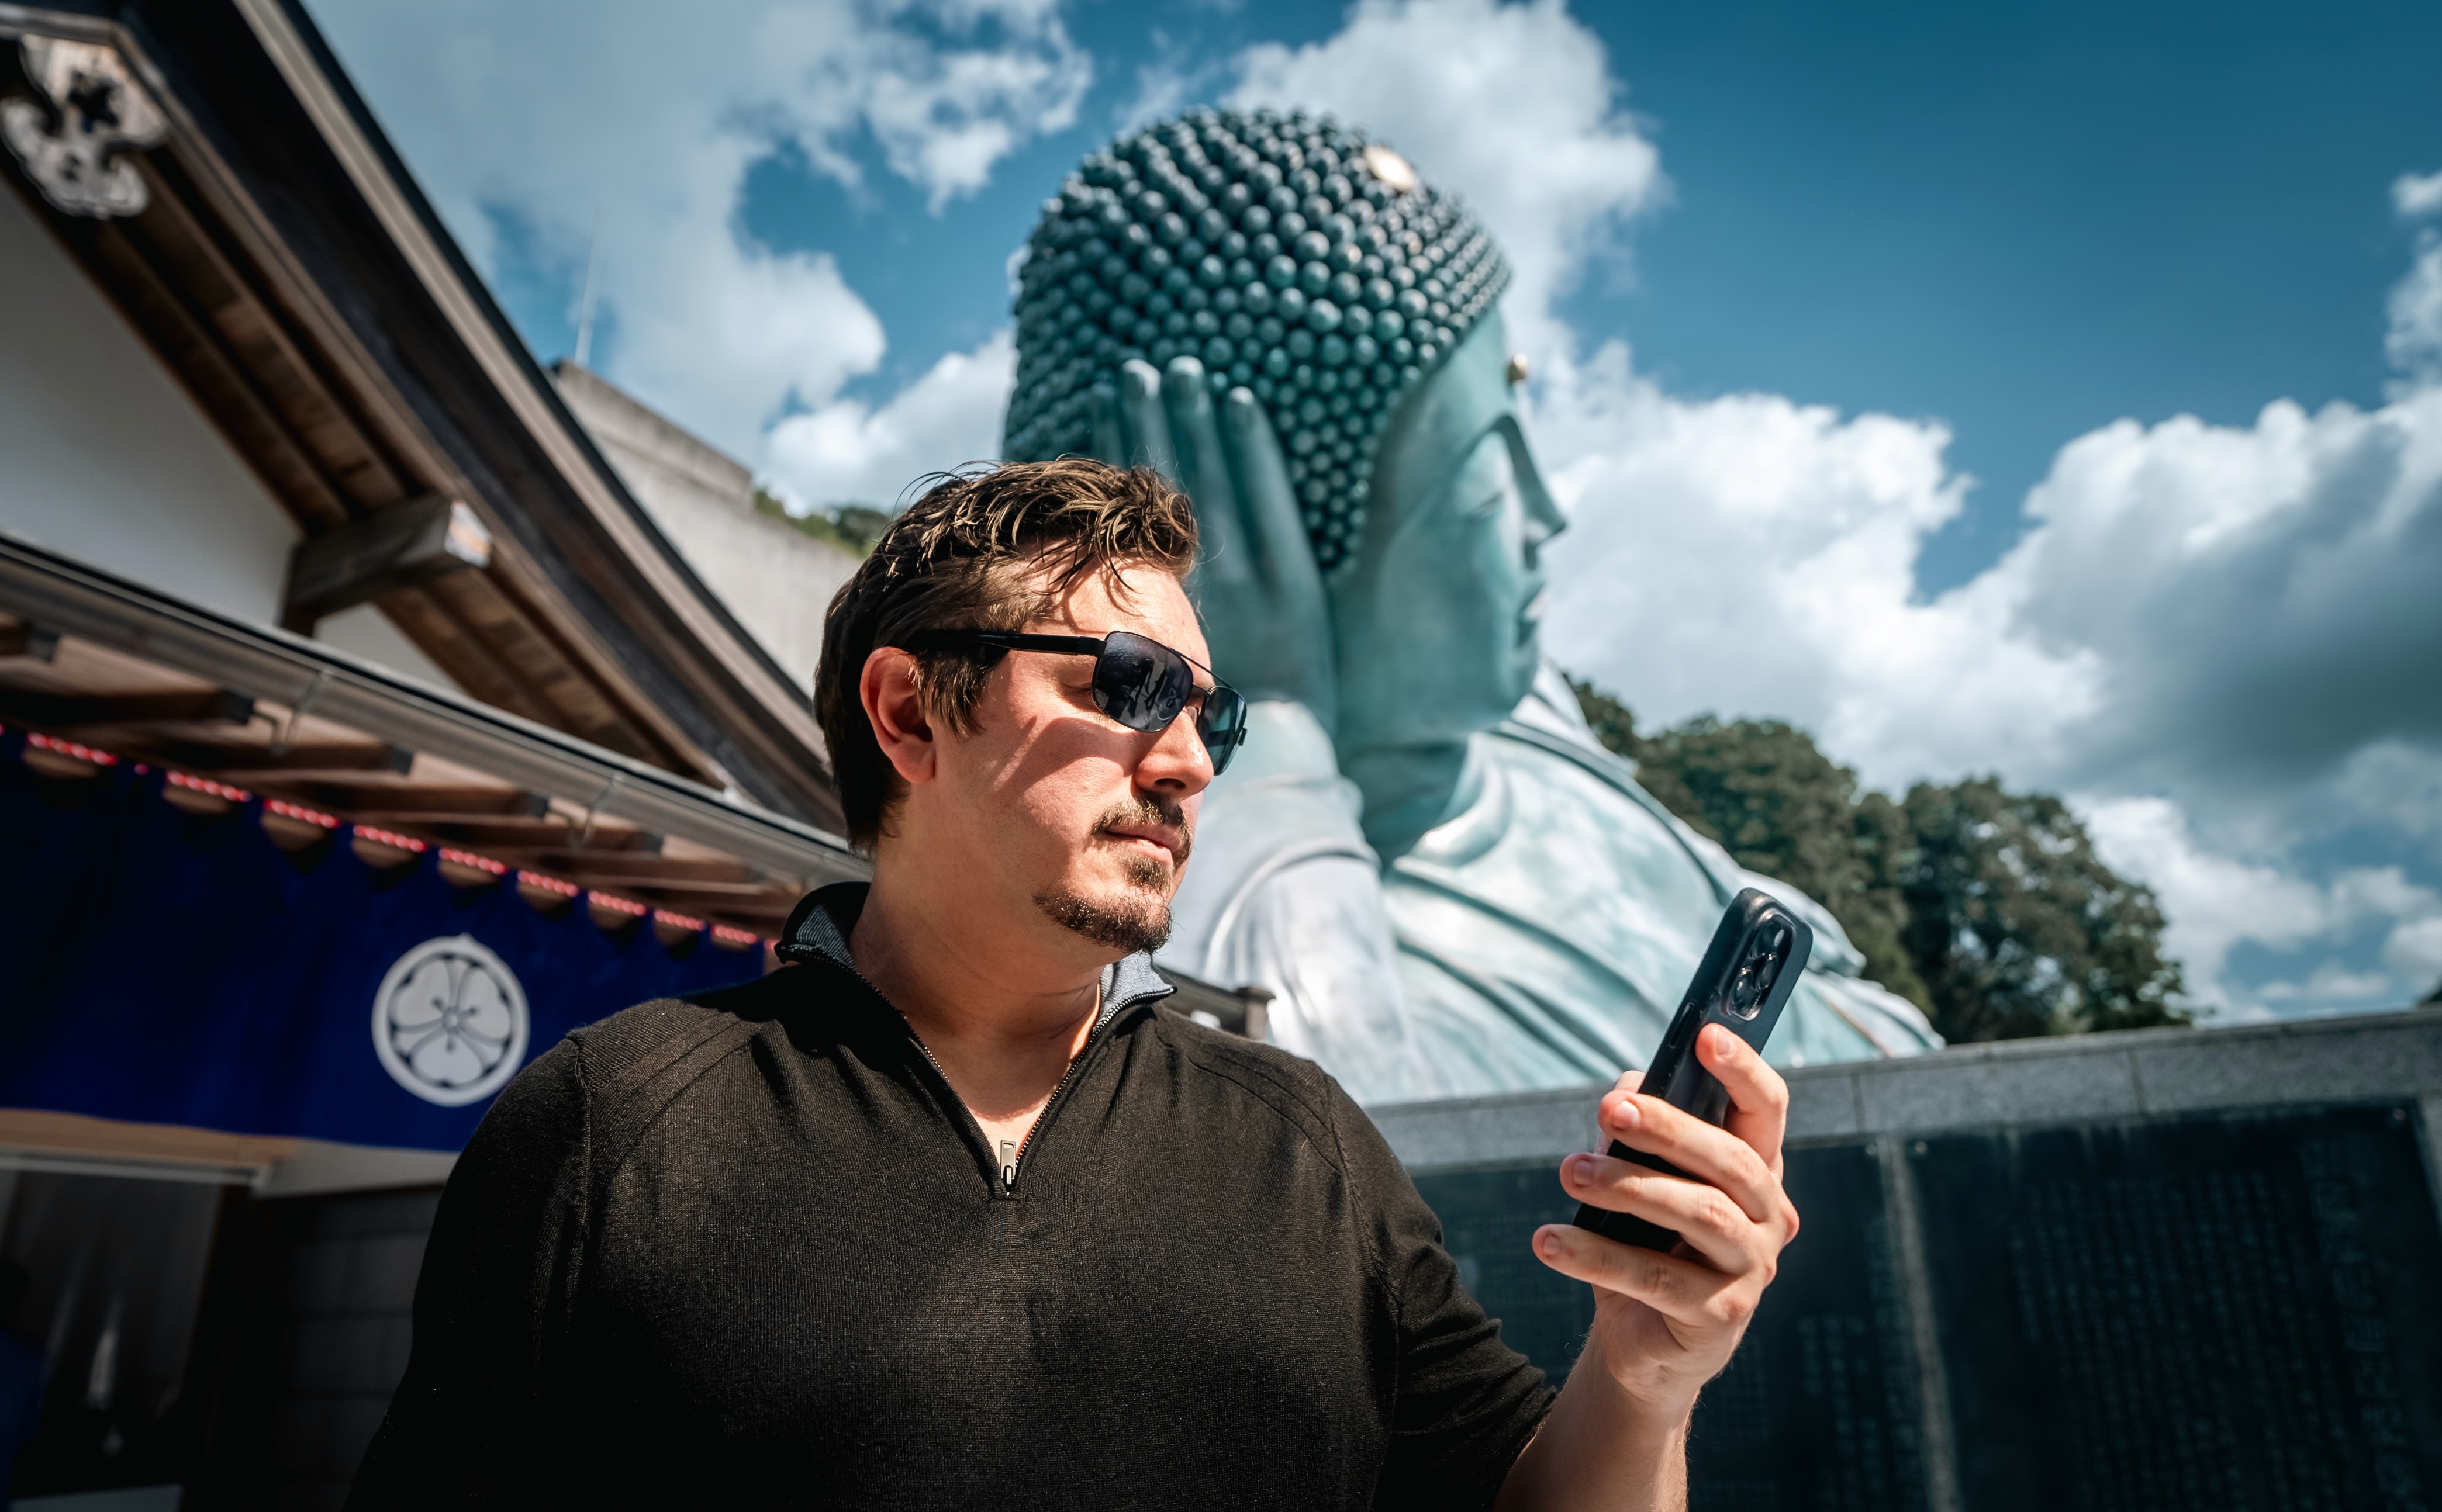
x,y
1742,984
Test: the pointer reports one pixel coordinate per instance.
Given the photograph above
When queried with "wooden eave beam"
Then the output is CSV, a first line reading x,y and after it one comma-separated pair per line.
x,y
404,807
58,711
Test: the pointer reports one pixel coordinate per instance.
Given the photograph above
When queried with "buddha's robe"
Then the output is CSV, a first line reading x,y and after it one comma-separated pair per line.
x,y
1538,937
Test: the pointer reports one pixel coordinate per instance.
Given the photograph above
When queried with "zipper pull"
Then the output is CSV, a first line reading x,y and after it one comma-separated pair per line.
x,y
1008,1163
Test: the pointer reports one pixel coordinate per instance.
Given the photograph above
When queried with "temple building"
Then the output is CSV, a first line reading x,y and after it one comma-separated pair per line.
x,y
374,707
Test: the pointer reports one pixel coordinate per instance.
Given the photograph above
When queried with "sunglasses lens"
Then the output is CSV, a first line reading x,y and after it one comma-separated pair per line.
x,y
1140,682
1222,726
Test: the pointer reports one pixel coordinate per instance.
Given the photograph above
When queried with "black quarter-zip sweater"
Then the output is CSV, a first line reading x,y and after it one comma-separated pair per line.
x,y
749,1250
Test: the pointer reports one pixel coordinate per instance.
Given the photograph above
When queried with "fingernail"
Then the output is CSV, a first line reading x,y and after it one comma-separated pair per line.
x,y
1624,1112
1548,1242
1581,1167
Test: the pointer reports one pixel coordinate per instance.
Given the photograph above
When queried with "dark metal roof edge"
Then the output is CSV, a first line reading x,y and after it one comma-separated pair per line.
x,y
60,594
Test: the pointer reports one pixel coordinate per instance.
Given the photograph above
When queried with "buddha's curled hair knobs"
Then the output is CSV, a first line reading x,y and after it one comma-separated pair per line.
x,y
1289,254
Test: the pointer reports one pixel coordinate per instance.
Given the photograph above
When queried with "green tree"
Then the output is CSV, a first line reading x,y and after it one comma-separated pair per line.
x,y
2017,927
1778,805
1990,910
852,528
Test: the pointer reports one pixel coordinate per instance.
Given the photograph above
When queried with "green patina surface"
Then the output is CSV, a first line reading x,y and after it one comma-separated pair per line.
x,y
1290,255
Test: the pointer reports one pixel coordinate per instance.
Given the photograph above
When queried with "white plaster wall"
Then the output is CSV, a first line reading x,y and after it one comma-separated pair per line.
x,y
103,457
366,631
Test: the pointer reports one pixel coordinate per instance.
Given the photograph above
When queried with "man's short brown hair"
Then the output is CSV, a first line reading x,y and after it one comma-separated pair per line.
x,y
991,549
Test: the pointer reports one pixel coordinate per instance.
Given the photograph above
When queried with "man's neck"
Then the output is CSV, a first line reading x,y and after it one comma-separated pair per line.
x,y
1001,1016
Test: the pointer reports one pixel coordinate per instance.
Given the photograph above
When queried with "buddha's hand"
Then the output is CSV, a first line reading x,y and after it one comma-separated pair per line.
x,y
1256,583
1666,1325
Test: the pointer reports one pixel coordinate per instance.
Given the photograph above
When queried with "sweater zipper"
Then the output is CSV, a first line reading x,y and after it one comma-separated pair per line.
x,y
1009,1161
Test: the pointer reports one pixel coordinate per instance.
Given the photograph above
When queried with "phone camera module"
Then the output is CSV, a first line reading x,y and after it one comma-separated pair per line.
x,y
1767,973
1746,990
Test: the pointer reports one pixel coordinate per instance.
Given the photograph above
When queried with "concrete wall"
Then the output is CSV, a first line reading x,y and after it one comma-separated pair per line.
x,y
2160,1208
776,580
2147,1073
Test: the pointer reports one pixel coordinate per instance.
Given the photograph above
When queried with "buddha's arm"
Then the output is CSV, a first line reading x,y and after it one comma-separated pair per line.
x,y
1282,893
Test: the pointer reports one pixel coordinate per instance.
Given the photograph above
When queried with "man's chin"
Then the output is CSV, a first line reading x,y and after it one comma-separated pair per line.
x,y
1129,919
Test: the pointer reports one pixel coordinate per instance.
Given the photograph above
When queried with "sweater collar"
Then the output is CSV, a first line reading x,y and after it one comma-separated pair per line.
x,y
819,927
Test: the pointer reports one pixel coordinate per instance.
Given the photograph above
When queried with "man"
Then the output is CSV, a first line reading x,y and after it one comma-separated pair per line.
x,y
950,1212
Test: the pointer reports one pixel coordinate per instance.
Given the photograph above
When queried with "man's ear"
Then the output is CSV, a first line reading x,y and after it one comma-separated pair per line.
x,y
894,705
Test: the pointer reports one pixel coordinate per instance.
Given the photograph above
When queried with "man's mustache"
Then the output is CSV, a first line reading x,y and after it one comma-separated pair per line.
x,y
1169,814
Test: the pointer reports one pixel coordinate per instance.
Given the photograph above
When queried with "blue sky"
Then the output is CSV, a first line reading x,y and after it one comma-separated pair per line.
x,y
1872,325
2026,222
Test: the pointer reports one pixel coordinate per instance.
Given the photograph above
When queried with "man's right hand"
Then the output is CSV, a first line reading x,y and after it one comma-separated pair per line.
x,y
1256,584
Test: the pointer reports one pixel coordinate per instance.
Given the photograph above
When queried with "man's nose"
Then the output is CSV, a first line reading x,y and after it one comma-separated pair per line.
x,y
1176,763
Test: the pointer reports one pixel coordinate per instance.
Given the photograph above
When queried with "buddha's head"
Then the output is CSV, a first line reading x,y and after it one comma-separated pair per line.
x,y
1298,258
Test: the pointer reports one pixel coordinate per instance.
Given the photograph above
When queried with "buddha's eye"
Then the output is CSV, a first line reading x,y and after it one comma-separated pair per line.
x,y
1487,481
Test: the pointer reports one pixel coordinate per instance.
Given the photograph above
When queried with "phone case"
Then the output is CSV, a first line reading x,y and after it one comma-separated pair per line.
x,y
1743,983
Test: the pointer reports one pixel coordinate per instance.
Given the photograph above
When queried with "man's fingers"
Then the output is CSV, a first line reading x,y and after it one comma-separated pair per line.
x,y
1759,1097
1679,1289
1713,1224
1148,426
1706,1153
1204,472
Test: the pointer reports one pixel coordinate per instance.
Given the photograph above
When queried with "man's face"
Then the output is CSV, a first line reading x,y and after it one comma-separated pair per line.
x,y
1089,821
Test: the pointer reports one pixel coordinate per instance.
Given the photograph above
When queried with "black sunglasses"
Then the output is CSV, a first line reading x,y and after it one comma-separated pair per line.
x,y
1140,683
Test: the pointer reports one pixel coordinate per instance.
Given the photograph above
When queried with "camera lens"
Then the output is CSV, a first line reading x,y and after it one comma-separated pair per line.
x,y
1745,993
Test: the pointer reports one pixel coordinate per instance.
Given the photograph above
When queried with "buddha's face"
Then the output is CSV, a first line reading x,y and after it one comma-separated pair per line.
x,y
1435,622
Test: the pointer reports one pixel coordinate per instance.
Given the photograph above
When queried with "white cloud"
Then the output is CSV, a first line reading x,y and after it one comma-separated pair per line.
x,y
2211,901
2232,625
2224,637
1513,106
2394,784
2216,902
848,452
2330,987
1748,555
2414,951
2414,342
2227,636
654,121
2417,195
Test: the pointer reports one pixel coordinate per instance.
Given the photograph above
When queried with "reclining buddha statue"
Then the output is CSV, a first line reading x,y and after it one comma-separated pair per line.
x,y
1446,883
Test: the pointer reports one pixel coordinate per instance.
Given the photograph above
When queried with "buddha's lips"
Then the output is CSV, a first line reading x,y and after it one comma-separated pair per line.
x,y
1532,615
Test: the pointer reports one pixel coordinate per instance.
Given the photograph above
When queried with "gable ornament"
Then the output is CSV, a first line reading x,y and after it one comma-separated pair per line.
x,y
73,143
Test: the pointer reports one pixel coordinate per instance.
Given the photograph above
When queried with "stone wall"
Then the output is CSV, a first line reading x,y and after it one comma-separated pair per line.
x,y
2171,1268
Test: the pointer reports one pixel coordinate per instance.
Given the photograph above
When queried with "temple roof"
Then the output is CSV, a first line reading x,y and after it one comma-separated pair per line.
x,y
261,234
